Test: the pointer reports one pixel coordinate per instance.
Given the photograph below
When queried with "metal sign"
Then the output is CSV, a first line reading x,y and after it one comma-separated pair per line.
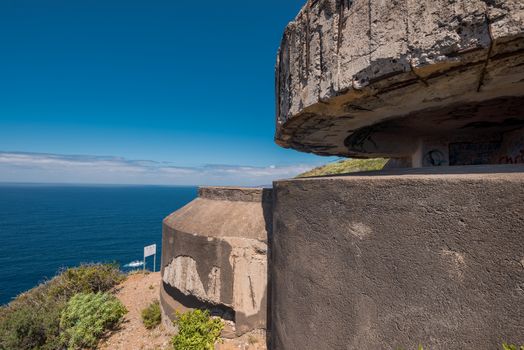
x,y
148,251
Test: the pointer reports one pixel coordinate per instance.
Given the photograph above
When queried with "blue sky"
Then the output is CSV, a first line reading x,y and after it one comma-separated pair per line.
x,y
171,84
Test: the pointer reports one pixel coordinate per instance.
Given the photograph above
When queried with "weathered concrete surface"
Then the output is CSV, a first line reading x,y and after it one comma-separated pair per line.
x,y
447,67
214,255
383,262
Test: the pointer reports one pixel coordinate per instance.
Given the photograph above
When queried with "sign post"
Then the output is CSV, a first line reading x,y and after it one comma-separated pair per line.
x,y
148,251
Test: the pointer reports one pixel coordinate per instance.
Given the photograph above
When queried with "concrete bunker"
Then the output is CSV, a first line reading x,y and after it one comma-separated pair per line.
x,y
431,83
214,256
426,252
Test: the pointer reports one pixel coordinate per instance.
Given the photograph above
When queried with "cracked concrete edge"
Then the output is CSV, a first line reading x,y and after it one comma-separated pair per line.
x,y
356,51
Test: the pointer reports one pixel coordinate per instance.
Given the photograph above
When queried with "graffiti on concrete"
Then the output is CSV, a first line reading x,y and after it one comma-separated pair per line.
x,y
513,158
513,148
362,140
467,153
435,157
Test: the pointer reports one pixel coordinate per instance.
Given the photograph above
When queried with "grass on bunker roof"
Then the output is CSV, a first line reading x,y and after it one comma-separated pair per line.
x,y
346,166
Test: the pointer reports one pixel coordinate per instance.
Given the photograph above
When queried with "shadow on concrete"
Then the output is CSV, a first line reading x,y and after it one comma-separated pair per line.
x,y
191,302
267,208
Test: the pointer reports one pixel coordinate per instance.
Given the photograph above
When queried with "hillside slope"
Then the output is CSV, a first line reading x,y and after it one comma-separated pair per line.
x,y
347,166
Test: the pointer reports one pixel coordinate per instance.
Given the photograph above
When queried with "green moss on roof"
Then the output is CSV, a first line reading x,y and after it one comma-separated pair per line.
x,y
347,166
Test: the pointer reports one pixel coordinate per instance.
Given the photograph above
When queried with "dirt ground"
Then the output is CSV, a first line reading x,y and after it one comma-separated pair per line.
x,y
136,293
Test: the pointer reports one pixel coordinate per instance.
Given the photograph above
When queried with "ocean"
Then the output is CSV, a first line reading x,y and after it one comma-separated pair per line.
x,y
45,228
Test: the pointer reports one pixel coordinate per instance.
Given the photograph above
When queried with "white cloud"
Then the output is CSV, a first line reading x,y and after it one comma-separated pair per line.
x,y
41,167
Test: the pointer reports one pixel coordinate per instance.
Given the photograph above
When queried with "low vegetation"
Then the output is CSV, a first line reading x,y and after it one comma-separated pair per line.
x,y
512,347
151,315
32,320
197,330
347,166
89,278
87,317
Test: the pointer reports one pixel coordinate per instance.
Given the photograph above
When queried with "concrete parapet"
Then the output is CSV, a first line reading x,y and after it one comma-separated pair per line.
x,y
435,82
214,256
398,259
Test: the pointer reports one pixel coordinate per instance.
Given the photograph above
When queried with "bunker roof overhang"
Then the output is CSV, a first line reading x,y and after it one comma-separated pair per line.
x,y
370,78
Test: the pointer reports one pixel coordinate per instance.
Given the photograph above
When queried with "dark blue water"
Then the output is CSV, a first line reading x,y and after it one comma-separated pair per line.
x,y
44,228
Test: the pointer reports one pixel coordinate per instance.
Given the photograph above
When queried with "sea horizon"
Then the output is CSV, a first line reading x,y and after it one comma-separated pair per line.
x,y
90,184
46,227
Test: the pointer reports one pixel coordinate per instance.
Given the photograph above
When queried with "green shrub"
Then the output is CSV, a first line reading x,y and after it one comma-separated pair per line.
x,y
32,320
196,331
22,328
87,317
86,279
151,315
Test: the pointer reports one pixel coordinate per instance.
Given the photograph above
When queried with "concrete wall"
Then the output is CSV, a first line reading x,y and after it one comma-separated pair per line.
x,y
214,256
382,262
490,147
